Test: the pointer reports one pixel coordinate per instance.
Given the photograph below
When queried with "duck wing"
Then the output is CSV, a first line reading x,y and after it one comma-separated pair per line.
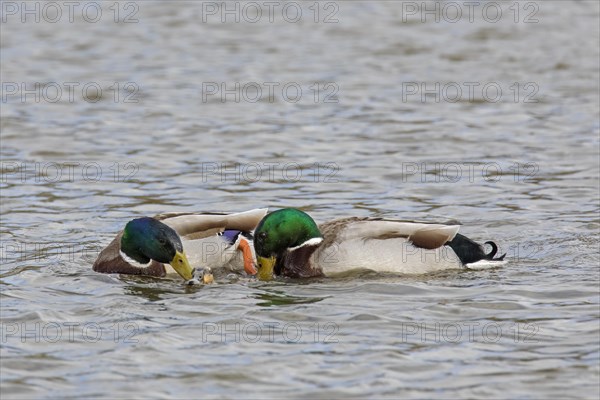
x,y
420,234
193,226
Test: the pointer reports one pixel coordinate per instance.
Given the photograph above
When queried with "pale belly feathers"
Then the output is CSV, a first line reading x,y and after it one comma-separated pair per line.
x,y
396,255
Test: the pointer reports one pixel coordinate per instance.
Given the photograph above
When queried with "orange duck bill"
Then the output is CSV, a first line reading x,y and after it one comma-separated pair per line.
x,y
249,266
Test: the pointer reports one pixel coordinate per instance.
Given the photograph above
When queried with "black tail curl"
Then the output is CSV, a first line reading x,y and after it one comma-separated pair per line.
x,y
492,253
469,251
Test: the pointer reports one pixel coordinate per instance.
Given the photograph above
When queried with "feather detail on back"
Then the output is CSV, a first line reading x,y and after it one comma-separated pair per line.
x,y
434,236
386,246
424,235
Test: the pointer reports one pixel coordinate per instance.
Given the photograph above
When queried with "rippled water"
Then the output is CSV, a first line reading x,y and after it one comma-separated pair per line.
x,y
520,168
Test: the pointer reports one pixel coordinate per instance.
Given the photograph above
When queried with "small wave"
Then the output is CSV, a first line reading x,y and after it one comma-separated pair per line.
x,y
486,264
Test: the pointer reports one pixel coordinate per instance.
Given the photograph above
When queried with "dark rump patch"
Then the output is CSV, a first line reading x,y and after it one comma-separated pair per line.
x,y
469,251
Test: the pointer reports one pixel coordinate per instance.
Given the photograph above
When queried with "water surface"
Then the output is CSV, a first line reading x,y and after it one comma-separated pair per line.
x,y
520,169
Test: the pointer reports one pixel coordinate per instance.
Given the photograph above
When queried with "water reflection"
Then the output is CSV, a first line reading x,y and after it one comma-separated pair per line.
x,y
273,298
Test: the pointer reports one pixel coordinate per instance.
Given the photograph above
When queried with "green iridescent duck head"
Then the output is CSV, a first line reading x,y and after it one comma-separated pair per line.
x,y
278,233
146,239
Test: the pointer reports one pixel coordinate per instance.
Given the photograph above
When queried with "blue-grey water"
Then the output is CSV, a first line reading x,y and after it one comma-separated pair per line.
x,y
487,114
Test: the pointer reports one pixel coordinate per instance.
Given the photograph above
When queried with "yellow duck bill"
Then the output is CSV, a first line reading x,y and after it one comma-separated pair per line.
x,y
182,266
266,266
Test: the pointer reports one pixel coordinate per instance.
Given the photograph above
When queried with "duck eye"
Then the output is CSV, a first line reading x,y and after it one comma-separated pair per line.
x,y
262,235
162,241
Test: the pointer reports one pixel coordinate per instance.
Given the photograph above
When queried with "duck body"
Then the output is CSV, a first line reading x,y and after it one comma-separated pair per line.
x,y
182,242
292,245
222,250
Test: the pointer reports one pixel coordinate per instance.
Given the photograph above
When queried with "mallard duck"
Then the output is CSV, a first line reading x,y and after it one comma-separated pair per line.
x,y
183,241
288,242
